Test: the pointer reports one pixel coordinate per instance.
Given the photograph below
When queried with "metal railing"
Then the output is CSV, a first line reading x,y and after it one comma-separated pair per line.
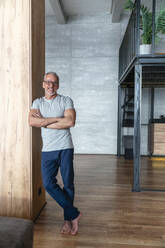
x,y
130,45
127,51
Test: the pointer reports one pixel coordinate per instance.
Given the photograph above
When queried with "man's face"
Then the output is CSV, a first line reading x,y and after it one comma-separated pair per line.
x,y
50,85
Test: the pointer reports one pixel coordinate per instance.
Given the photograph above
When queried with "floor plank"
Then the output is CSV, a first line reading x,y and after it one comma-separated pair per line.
x,y
113,215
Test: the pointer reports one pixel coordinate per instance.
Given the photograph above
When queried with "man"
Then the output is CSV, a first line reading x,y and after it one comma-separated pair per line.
x,y
55,115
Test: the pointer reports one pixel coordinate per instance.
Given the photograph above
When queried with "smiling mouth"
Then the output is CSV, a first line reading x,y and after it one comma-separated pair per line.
x,y
50,91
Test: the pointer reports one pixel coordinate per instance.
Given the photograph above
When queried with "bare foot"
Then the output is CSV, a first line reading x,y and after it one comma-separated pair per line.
x,y
75,222
66,229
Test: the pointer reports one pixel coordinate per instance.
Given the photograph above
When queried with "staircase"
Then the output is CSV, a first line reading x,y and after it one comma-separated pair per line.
x,y
128,122
128,108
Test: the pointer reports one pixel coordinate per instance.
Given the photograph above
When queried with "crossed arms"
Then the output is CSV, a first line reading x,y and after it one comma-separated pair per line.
x,y
36,120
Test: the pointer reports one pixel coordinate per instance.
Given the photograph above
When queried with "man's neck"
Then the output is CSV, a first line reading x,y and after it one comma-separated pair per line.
x,y
48,97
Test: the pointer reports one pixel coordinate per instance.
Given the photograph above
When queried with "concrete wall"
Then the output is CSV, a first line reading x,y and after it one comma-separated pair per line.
x,y
84,53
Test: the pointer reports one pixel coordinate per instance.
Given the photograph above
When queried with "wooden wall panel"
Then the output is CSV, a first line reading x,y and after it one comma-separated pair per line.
x,y
17,70
157,133
14,104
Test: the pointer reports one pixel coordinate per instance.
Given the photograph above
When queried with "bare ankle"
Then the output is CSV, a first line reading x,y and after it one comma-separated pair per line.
x,y
75,223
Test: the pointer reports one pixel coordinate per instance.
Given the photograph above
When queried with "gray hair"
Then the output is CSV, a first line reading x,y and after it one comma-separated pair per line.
x,y
52,73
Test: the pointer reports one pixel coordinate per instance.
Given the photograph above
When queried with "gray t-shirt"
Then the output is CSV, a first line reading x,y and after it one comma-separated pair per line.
x,y
54,139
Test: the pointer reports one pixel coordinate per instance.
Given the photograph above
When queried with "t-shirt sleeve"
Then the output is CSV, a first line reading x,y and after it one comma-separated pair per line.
x,y
35,104
68,103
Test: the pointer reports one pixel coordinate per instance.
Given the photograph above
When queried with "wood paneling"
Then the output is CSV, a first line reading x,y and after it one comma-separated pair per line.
x,y
113,215
159,127
18,58
159,137
157,133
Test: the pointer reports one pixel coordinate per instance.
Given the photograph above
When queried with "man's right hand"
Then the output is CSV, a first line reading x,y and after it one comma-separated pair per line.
x,y
36,119
37,114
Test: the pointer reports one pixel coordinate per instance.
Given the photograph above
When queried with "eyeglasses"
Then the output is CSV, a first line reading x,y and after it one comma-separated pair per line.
x,y
51,82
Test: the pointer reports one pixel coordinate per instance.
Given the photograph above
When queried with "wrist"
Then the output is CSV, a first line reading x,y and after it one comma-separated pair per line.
x,y
46,122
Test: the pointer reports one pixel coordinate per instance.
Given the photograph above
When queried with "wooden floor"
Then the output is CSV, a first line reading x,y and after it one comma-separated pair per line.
x,y
113,216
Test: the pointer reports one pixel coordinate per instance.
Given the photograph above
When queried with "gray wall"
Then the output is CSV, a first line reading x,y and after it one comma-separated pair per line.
x,y
84,53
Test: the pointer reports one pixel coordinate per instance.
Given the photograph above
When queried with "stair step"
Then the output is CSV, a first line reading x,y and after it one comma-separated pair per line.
x,y
128,123
130,95
129,112
130,104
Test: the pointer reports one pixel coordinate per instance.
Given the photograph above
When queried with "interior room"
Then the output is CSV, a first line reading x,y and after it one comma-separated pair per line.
x,y
109,56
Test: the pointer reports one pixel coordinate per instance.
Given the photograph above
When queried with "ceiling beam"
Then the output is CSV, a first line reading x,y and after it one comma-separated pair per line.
x,y
117,9
59,15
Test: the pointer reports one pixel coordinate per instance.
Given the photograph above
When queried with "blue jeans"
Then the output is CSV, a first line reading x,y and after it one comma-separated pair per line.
x,y
50,164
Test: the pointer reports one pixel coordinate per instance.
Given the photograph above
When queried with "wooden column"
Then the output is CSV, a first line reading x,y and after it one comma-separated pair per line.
x,y
22,63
